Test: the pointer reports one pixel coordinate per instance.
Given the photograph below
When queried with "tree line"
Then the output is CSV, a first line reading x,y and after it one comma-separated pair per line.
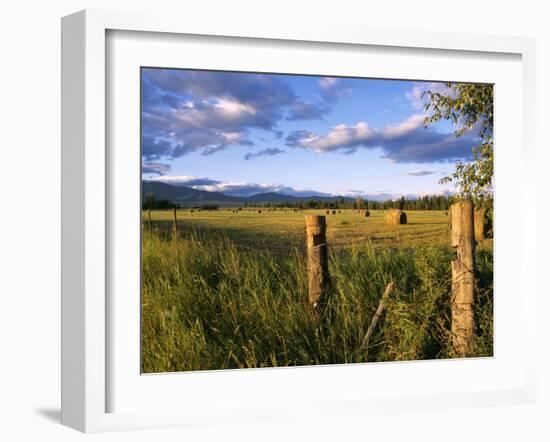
x,y
150,202
427,202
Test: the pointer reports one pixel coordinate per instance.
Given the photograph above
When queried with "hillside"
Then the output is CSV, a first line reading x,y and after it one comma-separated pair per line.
x,y
183,194
188,195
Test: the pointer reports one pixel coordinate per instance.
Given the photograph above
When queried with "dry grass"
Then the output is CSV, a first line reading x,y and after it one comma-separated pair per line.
x,y
283,231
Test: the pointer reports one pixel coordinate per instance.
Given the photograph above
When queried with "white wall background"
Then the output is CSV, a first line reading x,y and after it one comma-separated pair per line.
x,y
30,215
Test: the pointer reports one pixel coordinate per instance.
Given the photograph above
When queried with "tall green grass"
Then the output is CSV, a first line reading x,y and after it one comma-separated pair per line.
x,y
208,304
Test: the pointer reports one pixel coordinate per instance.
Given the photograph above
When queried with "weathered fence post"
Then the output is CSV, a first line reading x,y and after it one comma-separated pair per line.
x,y
479,224
463,282
317,258
175,231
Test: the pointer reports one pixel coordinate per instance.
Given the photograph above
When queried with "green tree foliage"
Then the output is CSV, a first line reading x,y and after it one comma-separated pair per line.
x,y
401,203
468,107
426,202
359,203
150,201
209,207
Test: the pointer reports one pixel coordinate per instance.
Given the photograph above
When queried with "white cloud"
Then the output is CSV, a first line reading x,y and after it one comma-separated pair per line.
x,y
333,89
186,111
222,114
233,108
327,82
269,152
152,168
416,97
233,137
407,142
186,180
421,172
408,125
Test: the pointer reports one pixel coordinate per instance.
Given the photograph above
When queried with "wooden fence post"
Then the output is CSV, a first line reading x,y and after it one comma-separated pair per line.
x,y
463,282
317,258
479,224
149,219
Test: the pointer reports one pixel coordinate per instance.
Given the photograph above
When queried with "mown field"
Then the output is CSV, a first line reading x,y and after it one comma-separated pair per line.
x,y
231,291
281,231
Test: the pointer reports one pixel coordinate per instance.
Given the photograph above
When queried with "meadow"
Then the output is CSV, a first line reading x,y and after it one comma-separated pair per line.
x,y
231,290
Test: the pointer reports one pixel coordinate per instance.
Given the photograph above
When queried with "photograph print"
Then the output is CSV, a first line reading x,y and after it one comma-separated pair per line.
x,y
302,220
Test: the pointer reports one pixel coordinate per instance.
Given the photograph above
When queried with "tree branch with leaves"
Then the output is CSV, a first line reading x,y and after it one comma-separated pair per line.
x,y
470,108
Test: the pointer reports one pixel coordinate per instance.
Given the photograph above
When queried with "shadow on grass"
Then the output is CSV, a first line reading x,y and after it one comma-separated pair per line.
x,y
255,239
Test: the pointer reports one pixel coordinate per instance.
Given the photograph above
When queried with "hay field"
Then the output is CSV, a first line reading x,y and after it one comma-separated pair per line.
x,y
231,291
282,230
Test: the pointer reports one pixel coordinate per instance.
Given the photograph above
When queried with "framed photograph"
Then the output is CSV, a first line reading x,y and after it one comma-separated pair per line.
x,y
263,223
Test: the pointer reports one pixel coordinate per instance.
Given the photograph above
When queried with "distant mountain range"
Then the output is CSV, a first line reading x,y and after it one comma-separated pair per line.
x,y
189,196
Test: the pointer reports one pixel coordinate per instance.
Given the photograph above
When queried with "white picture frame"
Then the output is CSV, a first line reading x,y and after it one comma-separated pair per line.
x,y
86,351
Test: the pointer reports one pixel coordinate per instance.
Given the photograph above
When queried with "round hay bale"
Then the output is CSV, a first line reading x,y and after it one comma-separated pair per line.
x,y
396,217
367,213
334,212
260,211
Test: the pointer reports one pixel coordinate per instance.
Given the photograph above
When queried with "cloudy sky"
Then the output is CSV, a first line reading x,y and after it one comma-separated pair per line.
x,y
243,134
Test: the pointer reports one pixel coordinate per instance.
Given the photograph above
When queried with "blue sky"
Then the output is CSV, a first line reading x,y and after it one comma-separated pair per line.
x,y
247,133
